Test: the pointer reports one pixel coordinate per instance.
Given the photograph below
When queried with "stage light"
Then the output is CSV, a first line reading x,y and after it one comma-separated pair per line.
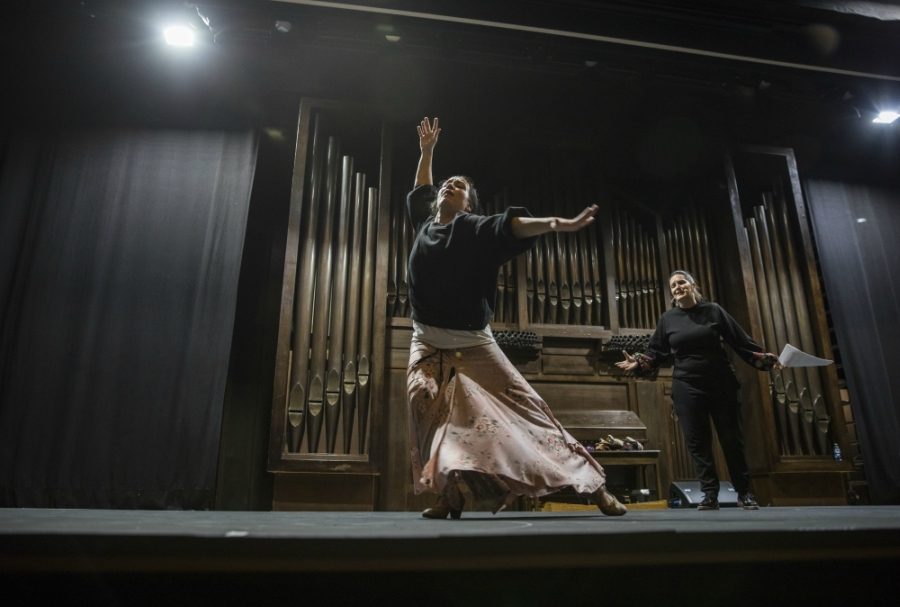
x,y
886,117
179,35
185,26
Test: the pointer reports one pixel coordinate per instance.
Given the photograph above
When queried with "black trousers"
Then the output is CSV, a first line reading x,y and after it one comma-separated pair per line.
x,y
696,405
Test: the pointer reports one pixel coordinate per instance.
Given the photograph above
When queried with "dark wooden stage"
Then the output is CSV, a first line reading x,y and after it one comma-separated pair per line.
x,y
808,555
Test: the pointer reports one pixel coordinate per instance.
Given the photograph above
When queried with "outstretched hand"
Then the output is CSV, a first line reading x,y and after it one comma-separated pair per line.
x,y
583,219
629,364
428,134
525,227
766,361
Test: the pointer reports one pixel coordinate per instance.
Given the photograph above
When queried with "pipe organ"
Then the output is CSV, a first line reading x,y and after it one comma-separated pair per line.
x,y
340,381
771,220
327,384
802,417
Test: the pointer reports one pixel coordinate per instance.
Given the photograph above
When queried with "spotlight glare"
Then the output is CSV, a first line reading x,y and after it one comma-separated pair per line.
x,y
886,117
179,35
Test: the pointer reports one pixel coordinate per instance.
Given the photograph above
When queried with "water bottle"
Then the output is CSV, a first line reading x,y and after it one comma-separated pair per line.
x,y
836,452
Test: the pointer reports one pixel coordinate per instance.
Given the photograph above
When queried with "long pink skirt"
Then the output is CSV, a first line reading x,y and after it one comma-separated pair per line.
x,y
472,411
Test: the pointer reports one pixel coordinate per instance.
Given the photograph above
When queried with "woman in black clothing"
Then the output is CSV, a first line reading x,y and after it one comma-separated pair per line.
x,y
473,418
704,385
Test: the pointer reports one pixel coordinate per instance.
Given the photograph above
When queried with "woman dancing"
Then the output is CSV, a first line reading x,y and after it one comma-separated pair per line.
x,y
473,417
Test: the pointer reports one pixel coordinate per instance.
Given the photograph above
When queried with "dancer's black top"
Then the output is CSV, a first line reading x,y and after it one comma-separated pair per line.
x,y
453,267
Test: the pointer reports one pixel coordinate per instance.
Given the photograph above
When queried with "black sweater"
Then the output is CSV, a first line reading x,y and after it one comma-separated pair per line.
x,y
695,336
453,267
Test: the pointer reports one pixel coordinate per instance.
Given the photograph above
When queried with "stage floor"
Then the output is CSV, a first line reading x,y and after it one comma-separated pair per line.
x,y
828,551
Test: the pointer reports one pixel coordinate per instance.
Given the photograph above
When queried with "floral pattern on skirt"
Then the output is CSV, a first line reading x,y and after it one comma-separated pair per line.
x,y
471,411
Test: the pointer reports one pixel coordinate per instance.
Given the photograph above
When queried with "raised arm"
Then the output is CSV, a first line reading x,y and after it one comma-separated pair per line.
x,y
428,137
526,227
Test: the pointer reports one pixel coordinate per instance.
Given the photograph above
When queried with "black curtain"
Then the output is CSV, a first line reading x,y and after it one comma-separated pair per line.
x,y
857,231
119,259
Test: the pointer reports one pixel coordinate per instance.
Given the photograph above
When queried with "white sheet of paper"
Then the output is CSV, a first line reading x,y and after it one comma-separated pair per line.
x,y
792,357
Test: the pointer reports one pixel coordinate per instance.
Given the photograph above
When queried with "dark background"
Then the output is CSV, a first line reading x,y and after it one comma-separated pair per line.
x,y
648,122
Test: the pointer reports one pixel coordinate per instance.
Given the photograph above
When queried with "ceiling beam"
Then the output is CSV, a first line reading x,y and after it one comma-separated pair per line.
x,y
503,25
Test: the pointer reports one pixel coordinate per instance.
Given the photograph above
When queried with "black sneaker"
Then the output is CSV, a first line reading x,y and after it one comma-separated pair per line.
x,y
747,501
710,502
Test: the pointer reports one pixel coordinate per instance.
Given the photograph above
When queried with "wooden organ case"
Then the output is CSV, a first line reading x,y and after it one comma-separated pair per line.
x,y
327,408
339,433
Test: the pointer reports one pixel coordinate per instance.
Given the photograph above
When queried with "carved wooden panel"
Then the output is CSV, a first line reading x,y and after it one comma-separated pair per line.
x,y
572,396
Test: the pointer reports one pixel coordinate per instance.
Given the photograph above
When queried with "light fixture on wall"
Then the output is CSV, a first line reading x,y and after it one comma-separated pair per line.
x,y
886,117
185,26
862,104
179,35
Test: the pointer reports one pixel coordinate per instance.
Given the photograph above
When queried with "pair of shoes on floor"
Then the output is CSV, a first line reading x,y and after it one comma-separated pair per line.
x,y
747,501
607,502
744,500
710,502
450,503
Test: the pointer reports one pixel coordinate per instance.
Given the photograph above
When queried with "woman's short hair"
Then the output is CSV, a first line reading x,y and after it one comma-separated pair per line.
x,y
698,296
474,207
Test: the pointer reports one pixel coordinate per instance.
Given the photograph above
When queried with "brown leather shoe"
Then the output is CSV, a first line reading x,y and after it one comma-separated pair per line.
x,y
441,510
607,502
450,503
